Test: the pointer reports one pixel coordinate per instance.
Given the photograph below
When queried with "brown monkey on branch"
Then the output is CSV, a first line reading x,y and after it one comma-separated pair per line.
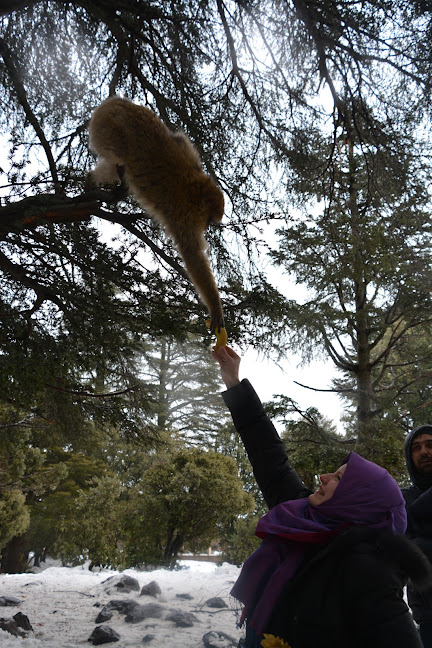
x,y
162,169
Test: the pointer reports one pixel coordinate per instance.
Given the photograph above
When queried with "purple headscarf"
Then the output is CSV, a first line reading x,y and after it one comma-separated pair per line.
x,y
367,495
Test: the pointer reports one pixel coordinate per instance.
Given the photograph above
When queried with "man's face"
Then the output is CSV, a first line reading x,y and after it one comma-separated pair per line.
x,y
421,453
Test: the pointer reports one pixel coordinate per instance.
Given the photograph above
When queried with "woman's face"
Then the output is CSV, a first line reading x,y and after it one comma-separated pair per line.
x,y
326,489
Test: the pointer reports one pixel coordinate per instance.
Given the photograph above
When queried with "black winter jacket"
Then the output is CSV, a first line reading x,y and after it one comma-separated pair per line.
x,y
418,498
349,594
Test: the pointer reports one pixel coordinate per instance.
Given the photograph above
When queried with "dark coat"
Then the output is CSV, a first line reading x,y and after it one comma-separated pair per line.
x,y
349,594
418,498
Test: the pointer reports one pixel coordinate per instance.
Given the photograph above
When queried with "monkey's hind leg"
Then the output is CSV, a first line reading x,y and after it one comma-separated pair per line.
x,y
106,173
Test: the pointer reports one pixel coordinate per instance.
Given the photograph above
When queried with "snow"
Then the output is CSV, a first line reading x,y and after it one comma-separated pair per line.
x,y
60,604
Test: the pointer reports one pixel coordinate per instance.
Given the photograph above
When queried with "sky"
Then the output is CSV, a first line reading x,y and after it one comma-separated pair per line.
x,y
269,379
60,605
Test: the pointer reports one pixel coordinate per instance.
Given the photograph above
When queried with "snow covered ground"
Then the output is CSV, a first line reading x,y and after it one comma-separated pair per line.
x,y
62,604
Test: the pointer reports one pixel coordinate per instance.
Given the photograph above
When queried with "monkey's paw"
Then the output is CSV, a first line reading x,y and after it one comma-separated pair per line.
x,y
221,334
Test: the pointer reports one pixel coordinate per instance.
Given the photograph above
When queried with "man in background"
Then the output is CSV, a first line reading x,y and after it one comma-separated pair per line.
x,y
418,499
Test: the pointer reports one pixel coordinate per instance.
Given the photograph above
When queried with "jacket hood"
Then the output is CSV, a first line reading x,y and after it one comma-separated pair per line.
x,y
414,476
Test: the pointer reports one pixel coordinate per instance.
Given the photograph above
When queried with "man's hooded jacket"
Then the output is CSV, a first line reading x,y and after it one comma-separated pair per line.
x,y
418,498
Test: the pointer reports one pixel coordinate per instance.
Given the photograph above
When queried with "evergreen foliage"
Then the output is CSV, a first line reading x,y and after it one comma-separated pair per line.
x,y
313,117
287,105
181,500
371,225
186,384
90,499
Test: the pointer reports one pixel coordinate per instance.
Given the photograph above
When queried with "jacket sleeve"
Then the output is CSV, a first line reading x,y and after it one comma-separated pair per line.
x,y
419,511
277,480
421,507
374,606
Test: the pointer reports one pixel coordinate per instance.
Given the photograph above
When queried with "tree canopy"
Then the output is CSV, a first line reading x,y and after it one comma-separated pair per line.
x,y
312,116
255,85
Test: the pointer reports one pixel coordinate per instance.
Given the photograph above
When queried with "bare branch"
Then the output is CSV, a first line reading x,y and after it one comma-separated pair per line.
x,y
116,217
331,391
53,208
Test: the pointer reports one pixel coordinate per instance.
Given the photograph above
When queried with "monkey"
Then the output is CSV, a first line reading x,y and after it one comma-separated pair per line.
x,y
163,171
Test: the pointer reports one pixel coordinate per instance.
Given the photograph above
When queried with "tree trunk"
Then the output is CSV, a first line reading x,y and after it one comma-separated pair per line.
x,y
163,367
172,547
14,556
361,342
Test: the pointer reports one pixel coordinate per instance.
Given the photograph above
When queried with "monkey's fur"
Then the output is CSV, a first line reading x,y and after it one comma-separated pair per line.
x,y
163,171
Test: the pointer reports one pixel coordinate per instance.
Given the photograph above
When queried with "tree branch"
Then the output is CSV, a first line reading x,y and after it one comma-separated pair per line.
x,y
22,98
330,391
124,222
42,292
236,73
53,208
87,394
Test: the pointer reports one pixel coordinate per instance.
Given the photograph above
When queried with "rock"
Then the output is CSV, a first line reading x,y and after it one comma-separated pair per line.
x,y
182,619
22,621
122,583
119,605
185,597
215,639
122,606
148,638
103,634
216,602
9,600
104,615
11,626
141,612
151,589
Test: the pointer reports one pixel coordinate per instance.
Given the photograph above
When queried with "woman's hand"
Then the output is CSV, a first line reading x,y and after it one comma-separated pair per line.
x,y
229,363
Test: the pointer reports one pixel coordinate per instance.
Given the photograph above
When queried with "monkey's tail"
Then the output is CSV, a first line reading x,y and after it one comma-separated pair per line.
x,y
199,270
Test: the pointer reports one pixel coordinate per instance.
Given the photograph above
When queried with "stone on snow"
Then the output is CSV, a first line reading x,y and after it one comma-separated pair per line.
x,y
151,589
215,639
182,619
22,621
122,583
216,602
141,612
122,606
11,626
9,600
104,615
103,634
185,597
148,638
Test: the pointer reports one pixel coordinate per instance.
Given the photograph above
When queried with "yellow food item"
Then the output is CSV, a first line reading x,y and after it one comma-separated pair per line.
x,y
221,337
270,641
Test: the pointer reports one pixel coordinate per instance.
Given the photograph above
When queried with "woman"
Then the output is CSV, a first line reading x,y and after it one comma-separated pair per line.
x,y
332,566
